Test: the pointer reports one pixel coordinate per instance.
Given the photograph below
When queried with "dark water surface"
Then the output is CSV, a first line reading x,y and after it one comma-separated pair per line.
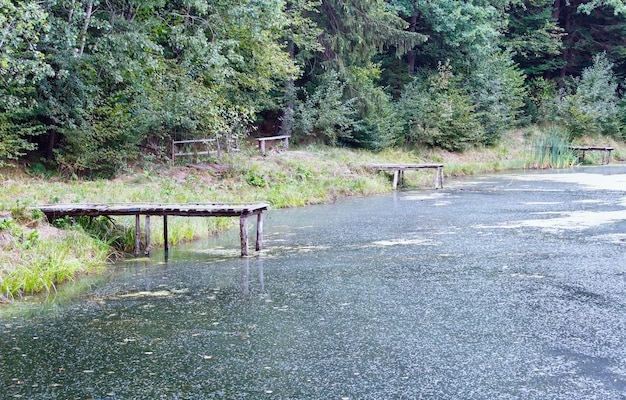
x,y
503,287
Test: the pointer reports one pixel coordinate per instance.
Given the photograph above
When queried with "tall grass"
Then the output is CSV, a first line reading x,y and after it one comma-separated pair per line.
x,y
50,261
549,149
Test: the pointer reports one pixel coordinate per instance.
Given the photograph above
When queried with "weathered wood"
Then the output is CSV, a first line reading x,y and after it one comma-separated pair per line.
x,y
243,230
165,241
262,140
242,210
147,249
137,234
259,232
232,144
606,152
54,211
398,171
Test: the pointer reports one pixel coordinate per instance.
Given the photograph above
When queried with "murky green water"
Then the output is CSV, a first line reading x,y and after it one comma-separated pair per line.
x,y
502,287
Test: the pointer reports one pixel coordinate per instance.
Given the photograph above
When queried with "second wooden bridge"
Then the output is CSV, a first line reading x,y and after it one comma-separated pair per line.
x,y
241,210
398,172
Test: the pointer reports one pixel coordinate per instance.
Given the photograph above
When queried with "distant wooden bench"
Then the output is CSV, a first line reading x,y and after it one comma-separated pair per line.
x,y
202,147
606,152
262,140
398,171
204,144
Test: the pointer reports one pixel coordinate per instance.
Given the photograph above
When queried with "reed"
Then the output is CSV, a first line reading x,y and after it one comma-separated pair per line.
x,y
549,149
48,261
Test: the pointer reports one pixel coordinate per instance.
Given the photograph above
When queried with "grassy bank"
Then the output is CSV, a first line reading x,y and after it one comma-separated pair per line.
x,y
36,256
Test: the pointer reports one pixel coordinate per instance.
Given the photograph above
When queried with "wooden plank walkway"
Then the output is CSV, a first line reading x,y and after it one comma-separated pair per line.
x,y
606,152
398,172
241,210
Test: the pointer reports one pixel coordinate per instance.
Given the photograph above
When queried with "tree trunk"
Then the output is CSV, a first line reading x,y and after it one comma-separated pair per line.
x,y
411,57
563,13
83,33
286,124
52,142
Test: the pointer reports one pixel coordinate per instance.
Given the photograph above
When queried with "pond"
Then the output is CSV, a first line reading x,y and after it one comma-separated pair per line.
x,y
509,286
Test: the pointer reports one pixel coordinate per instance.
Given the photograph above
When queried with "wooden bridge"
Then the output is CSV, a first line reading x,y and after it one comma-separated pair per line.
x,y
606,152
398,171
241,210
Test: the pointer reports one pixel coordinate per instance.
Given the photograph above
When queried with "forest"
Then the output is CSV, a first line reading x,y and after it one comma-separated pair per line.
x,y
89,87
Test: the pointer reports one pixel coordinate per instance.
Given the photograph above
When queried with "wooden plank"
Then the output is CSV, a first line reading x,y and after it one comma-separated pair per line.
x,y
193,141
273,137
398,171
147,249
193,153
259,231
606,152
262,140
242,210
199,210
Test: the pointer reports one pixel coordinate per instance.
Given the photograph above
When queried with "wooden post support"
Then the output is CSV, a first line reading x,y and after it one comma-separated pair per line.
x,y
147,249
395,178
262,146
441,177
259,231
137,235
165,245
243,231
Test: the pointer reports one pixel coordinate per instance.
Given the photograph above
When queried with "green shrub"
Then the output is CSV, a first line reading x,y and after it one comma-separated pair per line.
x,y
436,112
325,113
592,106
541,103
497,89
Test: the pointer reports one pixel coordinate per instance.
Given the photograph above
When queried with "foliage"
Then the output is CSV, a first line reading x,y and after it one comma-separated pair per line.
x,y
535,38
460,31
22,67
592,106
326,112
436,112
541,103
497,89
374,123
97,86
357,30
591,27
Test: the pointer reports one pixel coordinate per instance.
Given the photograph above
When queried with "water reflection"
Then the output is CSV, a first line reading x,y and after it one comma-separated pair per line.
x,y
245,286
